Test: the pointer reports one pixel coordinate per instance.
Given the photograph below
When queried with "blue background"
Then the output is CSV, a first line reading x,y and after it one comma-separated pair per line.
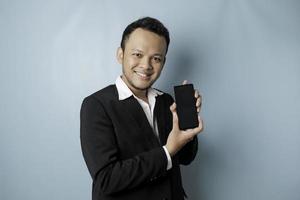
x,y
244,57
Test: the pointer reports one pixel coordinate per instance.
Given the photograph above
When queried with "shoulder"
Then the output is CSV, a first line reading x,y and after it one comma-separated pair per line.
x,y
108,93
101,97
94,107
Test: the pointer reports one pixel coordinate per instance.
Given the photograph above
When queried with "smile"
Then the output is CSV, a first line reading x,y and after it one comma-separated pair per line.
x,y
142,75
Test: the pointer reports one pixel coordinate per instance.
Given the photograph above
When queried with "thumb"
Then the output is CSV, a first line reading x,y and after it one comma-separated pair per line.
x,y
184,82
174,115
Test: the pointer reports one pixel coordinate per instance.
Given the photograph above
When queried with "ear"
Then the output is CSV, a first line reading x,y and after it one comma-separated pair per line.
x,y
120,55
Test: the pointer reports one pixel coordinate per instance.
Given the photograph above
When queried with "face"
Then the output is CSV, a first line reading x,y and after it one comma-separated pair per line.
x,y
142,59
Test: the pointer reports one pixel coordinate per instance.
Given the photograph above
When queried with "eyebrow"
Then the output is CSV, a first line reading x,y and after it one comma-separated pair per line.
x,y
156,54
136,50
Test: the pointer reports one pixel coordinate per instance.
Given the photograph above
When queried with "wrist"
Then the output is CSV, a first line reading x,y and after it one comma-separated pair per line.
x,y
170,150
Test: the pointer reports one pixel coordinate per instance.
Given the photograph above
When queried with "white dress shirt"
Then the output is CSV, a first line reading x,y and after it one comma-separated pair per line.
x,y
124,93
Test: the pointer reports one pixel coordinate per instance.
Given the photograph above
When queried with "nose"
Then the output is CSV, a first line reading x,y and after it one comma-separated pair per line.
x,y
146,63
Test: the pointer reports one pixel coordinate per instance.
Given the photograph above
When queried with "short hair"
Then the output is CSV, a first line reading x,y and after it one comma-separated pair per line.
x,y
149,24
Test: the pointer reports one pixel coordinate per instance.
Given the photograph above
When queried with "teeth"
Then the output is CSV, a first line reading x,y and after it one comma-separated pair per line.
x,y
141,74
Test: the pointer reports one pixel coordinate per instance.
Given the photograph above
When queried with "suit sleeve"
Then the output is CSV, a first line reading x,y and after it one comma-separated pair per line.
x,y
100,150
188,153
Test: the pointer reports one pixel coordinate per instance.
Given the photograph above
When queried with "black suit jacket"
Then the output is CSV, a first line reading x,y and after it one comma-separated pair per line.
x,y
124,157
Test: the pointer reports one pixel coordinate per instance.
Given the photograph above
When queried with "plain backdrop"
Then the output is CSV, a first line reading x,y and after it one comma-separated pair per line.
x,y
242,55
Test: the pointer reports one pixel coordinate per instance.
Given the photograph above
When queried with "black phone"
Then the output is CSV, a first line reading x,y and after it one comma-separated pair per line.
x,y
186,106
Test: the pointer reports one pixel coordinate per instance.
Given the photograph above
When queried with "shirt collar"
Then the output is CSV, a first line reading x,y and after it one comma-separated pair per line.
x,y
124,92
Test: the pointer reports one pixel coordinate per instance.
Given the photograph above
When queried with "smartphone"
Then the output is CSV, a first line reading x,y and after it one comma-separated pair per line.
x,y
186,106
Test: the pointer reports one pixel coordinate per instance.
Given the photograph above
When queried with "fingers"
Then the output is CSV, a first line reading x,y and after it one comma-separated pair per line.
x,y
198,105
184,82
198,101
196,94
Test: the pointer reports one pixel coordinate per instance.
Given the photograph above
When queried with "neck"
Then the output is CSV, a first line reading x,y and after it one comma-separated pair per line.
x,y
140,93
142,96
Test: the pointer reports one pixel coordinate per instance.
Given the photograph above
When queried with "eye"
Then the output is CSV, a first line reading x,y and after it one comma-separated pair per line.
x,y
157,59
138,55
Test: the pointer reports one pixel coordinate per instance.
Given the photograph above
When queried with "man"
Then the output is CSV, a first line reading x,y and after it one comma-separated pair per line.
x,y
129,132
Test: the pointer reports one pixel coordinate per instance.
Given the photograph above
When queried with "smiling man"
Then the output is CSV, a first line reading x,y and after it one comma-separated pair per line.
x,y
129,131
142,59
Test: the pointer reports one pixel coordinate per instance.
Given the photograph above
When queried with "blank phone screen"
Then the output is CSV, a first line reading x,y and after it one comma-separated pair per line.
x,y
186,106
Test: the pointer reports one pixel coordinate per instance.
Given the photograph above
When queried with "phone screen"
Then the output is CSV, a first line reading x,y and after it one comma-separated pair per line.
x,y
186,106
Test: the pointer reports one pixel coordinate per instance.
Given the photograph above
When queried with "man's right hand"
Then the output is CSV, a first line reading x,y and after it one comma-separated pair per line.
x,y
178,138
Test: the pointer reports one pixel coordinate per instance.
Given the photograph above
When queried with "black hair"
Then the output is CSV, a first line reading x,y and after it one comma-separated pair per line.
x,y
149,24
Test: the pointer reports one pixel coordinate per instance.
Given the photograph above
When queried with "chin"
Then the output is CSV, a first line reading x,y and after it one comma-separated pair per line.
x,y
142,87
143,84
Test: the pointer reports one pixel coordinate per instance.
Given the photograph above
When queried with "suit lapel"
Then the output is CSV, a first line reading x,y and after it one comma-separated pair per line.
x,y
134,110
161,116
